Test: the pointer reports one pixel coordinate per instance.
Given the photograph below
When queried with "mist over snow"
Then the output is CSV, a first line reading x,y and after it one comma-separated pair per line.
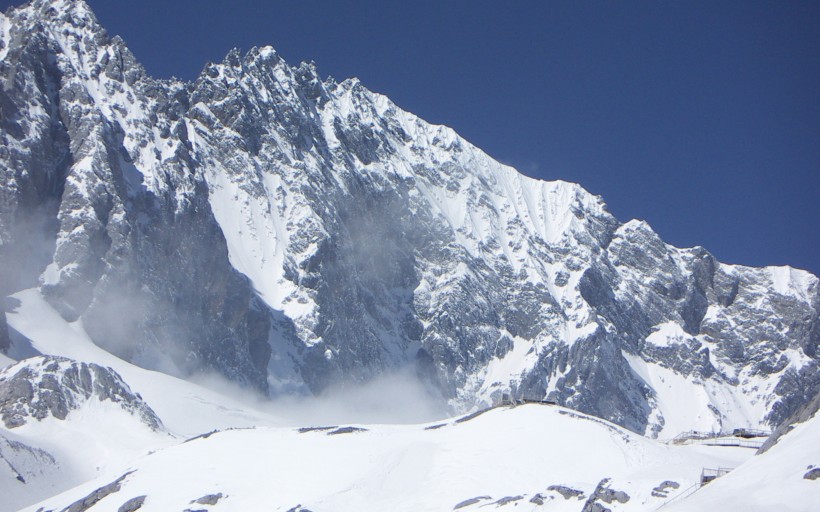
x,y
397,397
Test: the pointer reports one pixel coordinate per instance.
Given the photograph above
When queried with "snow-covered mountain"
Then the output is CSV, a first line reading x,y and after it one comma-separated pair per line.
x,y
295,233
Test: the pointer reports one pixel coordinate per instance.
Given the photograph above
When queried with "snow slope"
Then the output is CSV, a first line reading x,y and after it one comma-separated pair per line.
x,y
185,408
93,441
100,438
507,456
774,480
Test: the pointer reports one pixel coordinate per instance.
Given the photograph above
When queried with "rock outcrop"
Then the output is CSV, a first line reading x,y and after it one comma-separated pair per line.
x,y
52,387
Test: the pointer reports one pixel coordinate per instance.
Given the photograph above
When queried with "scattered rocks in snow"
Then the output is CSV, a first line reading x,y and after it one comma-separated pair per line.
x,y
609,495
92,499
662,490
304,430
566,492
540,499
471,501
132,504
346,430
473,415
298,508
812,474
206,435
605,494
208,499
508,499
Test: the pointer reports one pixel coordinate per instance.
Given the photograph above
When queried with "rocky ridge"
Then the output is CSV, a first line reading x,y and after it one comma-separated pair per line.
x,y
51,387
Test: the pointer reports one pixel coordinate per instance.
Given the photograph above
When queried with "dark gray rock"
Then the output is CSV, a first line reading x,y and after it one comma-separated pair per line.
x,y
471,501
304,430
507,499
298,508
92,499
566,492
540,499
603,493
132,505
803,414
812,474
662,489
5,340
346,430
208,499
49,386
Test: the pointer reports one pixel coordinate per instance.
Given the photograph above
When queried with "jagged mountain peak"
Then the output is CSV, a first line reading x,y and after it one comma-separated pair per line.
x,y
63,20
59,9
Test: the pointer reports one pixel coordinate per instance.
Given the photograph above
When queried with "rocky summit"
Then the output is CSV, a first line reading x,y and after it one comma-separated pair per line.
x,y
293,233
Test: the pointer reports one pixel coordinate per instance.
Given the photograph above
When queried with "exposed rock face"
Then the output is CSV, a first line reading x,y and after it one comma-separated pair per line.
x,y
5,341
142,261
288,230
801,415
42,387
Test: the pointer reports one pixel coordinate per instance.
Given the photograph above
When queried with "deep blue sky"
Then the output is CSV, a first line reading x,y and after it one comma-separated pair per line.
x,y
701,118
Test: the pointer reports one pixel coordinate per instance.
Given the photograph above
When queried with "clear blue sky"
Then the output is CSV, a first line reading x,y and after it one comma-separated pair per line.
x,y
702,118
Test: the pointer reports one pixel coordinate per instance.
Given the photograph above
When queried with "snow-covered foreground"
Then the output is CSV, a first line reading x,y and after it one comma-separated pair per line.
x,y
99,438
53,455
507,456
774,480
529,457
